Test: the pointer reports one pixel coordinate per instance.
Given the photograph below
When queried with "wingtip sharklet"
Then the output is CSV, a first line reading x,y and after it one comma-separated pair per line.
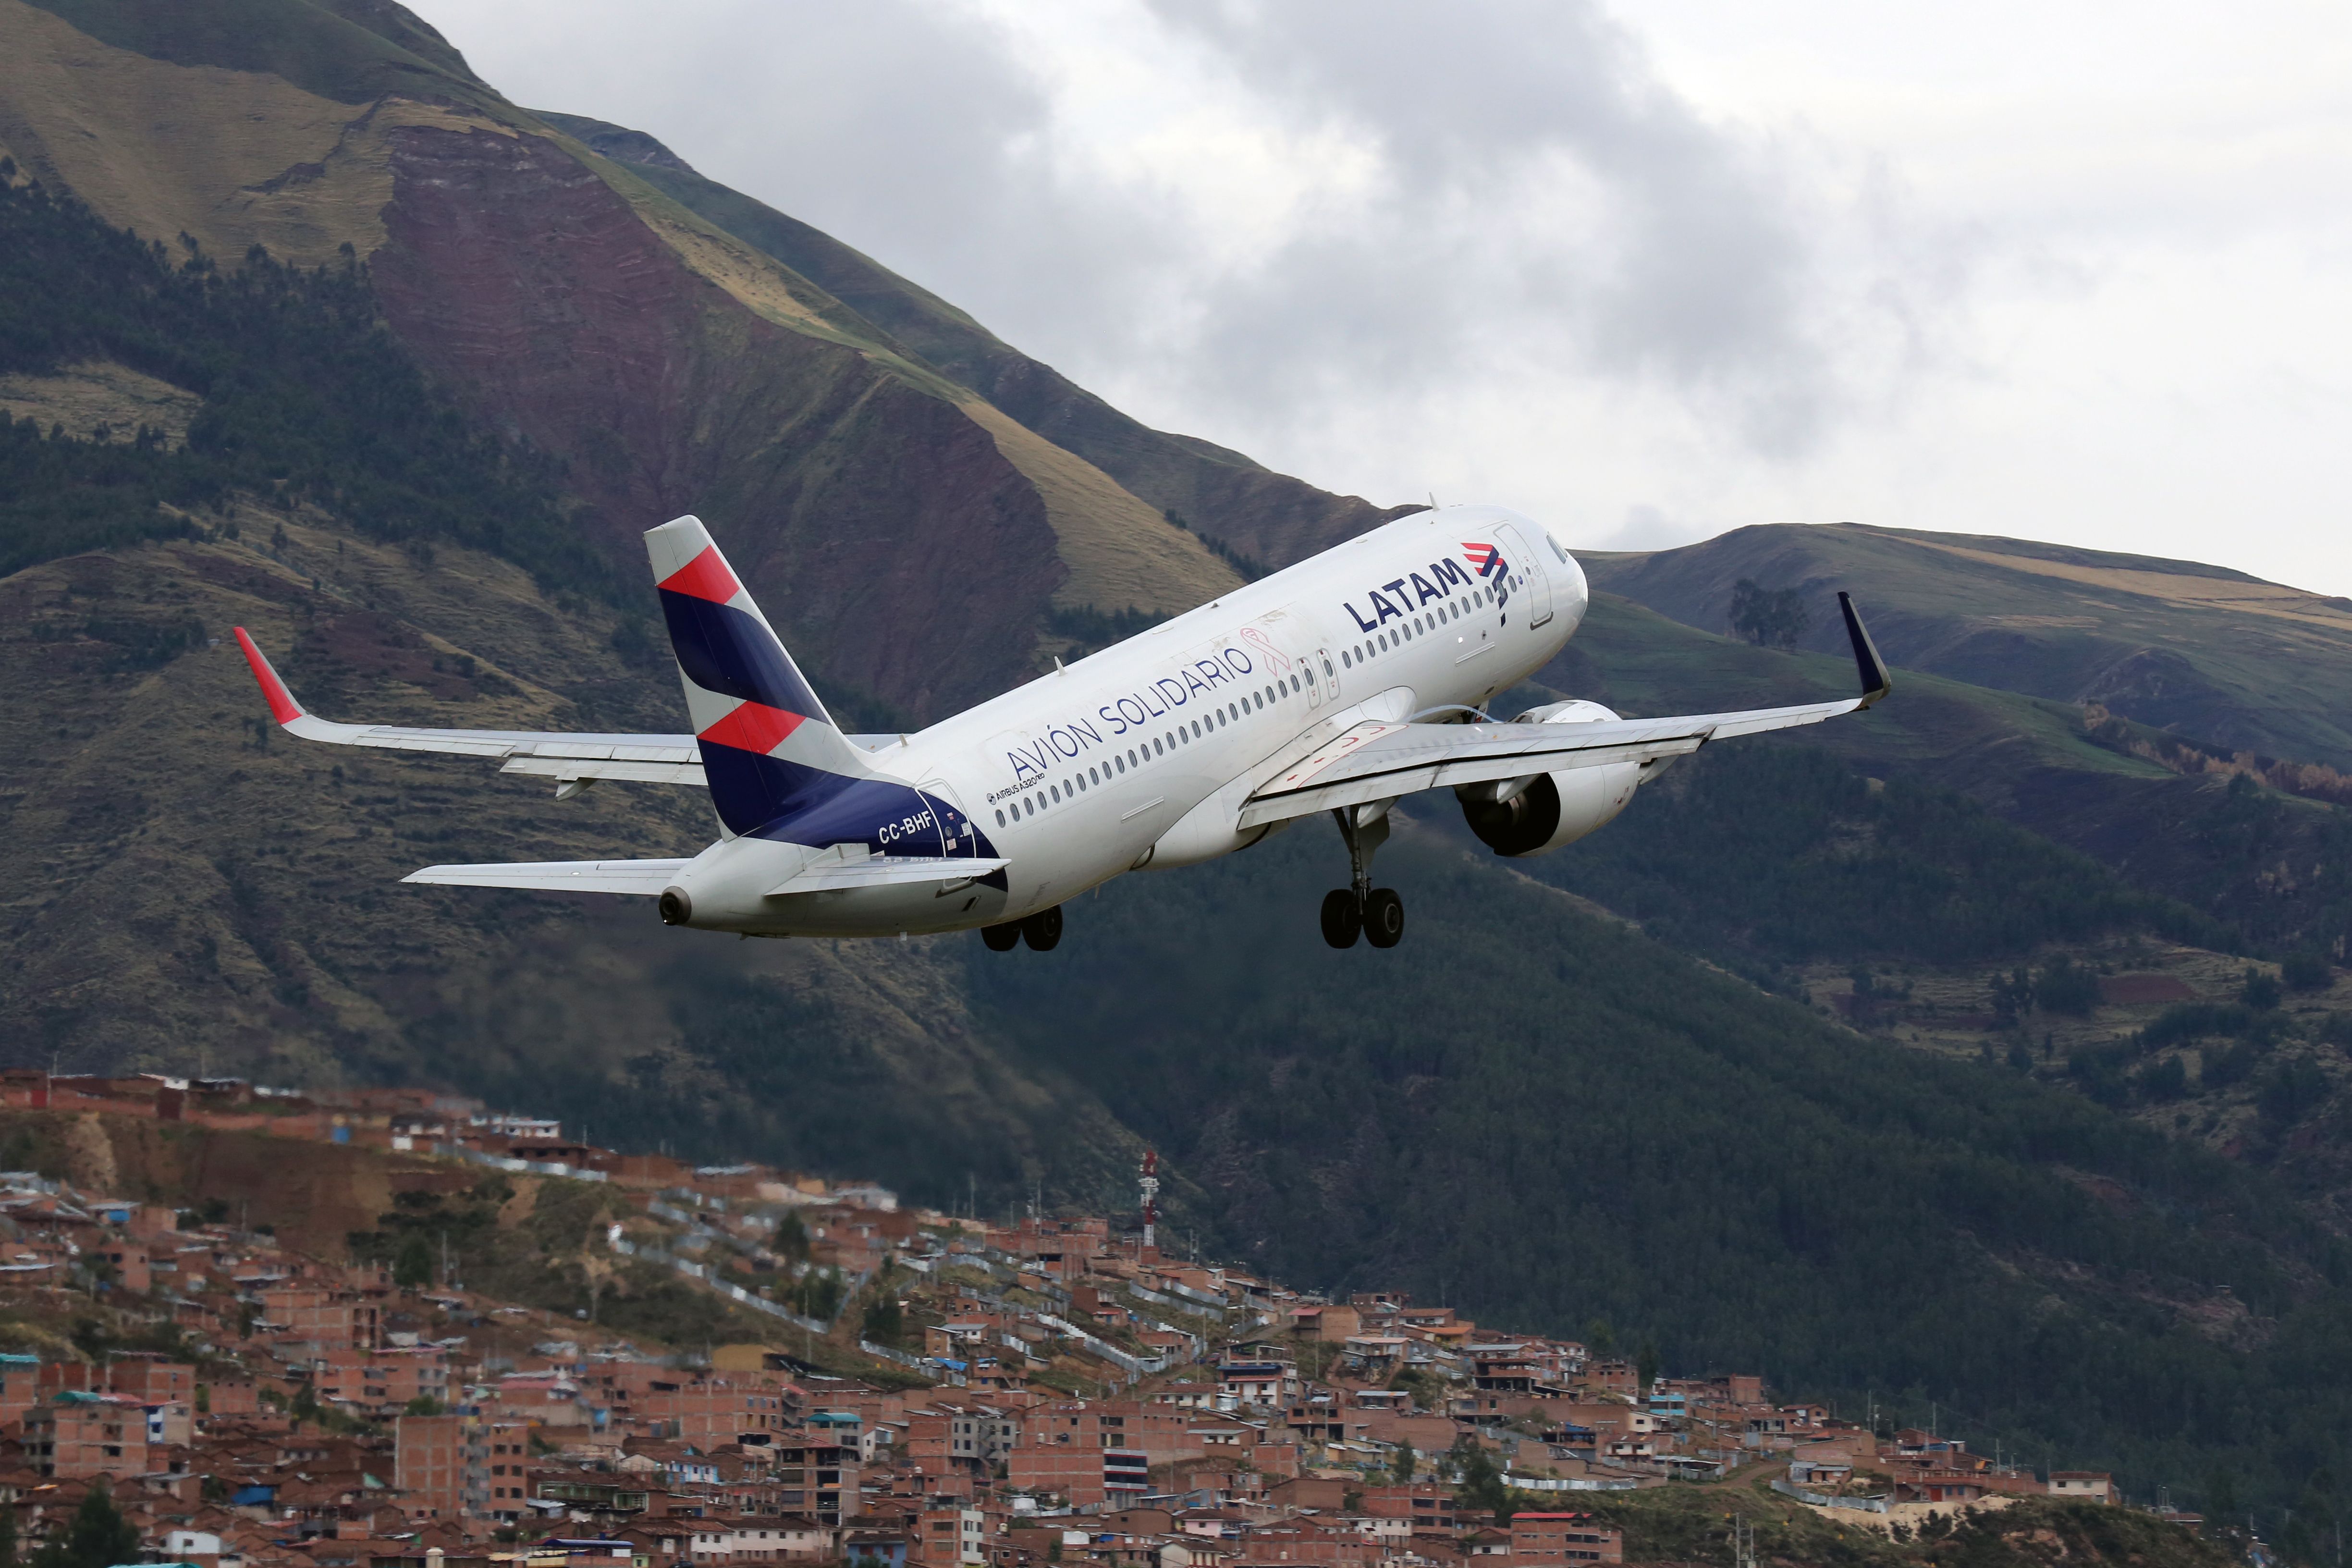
x,y
1875,681
282,706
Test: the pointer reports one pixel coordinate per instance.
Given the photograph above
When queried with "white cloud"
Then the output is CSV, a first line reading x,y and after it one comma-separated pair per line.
x,y
2073,274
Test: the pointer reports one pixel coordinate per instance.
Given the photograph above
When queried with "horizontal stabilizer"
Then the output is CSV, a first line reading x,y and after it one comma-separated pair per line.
x,y
646,877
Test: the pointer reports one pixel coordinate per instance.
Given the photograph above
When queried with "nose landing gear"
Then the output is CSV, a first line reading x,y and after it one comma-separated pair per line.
x,y
1377,914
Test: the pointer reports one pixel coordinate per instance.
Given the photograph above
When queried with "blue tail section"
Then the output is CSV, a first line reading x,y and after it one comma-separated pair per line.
x,y
776,764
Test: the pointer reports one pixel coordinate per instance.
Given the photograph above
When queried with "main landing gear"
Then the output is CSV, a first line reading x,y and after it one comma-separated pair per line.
x,y
1375,914
1042,931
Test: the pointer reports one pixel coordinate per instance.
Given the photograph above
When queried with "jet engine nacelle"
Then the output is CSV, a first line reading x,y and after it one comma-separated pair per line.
x,y
1537,815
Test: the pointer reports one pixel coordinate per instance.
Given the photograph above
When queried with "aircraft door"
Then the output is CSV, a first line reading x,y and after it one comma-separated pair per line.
x,y
954,824
1526,561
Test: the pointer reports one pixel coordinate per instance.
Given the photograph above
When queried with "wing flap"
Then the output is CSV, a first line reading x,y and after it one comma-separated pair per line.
x,y
564,768
643,877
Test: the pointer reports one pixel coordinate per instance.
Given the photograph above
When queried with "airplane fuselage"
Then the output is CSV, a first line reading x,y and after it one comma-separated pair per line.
x,y
1140,756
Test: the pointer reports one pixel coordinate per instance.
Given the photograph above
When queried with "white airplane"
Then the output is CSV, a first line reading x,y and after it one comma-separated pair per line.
x,y
1336,685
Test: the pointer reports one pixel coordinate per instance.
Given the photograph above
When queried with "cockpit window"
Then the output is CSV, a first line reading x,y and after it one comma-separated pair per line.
x,y
1556,550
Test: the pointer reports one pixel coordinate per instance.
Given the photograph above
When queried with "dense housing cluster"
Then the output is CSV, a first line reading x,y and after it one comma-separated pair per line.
x,y
1045,1389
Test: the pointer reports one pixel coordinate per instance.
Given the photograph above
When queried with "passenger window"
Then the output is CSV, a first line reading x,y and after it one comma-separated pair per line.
x,y
1054,793
1000,816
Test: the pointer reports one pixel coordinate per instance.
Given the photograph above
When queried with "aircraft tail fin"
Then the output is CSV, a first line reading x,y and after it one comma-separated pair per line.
x,y
769,748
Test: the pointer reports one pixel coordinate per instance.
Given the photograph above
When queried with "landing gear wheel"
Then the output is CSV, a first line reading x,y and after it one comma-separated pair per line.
x,y
1001,939
1383,918
1343,917
1043,928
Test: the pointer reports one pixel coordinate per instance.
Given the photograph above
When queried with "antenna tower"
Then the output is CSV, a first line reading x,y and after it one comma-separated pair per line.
x,y
1149,1184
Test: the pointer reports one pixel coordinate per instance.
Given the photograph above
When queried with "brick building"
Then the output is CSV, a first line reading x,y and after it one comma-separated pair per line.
x,y
817,1478
715,1412
314,1315
450,1466
80,1435
381,1382
1555,1539
144,1376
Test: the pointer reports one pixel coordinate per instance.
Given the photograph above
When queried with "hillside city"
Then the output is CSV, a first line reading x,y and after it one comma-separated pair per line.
x,y
1053,1389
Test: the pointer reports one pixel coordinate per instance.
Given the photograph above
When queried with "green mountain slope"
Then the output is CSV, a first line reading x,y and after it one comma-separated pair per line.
x,y
2196,839
2199,650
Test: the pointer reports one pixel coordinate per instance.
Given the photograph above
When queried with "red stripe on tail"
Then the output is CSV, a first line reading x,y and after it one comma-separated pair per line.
x,y
753,728
704,577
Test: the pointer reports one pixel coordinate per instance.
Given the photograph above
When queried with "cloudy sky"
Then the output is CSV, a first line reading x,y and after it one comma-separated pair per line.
x,y
2078,273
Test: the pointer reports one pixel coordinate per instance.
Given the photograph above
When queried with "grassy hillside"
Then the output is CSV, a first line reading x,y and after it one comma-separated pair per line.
x,y
2207,652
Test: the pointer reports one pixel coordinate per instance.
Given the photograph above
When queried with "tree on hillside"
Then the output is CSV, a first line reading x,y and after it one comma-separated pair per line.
x,y
886,1320
2065,987
412,1269
2306,971
1477,1482
1402,1468
98,1536
1769,618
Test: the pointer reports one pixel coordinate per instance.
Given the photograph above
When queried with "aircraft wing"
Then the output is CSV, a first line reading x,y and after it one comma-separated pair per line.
x,y
572,760
1376,762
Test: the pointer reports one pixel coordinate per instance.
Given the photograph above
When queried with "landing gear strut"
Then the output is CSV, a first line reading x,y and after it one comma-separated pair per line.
x,y
1359,909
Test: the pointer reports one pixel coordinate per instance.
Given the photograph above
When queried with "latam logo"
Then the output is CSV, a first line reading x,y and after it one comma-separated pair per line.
x,y
1398,600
